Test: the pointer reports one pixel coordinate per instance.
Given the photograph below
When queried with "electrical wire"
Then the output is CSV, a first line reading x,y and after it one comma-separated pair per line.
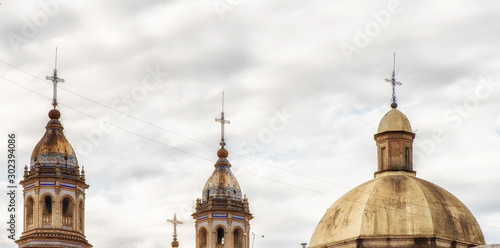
x,y
189,153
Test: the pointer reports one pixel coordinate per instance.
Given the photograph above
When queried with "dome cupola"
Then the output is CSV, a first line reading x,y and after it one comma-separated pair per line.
x,y
222,184
54,149
394,143
394,120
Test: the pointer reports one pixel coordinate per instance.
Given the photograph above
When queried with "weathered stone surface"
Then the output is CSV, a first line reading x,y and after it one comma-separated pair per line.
x,y
397,206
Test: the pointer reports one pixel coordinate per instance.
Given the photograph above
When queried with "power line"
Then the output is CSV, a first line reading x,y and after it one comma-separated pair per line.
x,y
195,155
167,130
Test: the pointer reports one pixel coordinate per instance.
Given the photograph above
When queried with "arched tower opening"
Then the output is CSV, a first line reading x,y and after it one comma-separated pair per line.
x,y
67,212
238,238
47,211
29,212
81,216
220,236
202,238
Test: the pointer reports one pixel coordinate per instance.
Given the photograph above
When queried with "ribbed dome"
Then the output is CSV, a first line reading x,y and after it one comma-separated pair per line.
x,y
394,120
395,205
53,148
222,183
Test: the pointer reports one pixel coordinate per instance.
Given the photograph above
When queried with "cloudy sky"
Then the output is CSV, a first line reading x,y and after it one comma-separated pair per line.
x,y
305,91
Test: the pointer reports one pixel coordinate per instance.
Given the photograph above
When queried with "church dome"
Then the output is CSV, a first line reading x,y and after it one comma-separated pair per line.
x,y
222,183
53,148
394,120
397,205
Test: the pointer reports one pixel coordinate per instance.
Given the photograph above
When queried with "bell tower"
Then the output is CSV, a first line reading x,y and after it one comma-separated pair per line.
x,y
54,190
222,214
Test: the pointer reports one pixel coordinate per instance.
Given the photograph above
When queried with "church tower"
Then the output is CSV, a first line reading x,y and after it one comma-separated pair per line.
x,y
222,214
54,190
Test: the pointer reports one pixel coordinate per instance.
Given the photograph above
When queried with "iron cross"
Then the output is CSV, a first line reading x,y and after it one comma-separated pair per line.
x,y
175,222
55,79
394,83
222,122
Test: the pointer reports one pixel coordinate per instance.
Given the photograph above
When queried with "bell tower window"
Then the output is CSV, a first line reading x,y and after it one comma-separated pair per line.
x,y
220,235
29,212
238,238
67,212
80,215
47,210
203,238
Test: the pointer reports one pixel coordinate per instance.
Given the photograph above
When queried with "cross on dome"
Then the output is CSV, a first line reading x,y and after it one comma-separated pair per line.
x,y
55,79
222,122
175,222
394,82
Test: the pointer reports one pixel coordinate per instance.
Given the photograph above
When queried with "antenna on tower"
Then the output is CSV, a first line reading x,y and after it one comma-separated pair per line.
x,y
394,82
222,122
55,79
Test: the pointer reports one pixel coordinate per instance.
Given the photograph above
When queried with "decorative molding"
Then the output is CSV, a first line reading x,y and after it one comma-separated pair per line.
x,y
67,192
203,224
202,217
51,191
238,217
47,183
68,185
219,222
29,193
43,243
239,224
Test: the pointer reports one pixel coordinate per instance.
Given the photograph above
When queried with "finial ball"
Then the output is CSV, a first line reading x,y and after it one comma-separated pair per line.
x,y
54,114
175,243
222,153
394,105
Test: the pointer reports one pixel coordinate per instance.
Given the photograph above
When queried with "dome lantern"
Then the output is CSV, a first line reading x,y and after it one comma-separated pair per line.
x,y
394,137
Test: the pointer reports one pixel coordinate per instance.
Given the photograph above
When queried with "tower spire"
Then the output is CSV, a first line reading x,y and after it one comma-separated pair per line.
x,y
394,82
222,122
55,79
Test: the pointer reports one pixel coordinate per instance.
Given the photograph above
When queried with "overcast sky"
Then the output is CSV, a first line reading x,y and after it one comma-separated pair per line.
x,y
305,90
